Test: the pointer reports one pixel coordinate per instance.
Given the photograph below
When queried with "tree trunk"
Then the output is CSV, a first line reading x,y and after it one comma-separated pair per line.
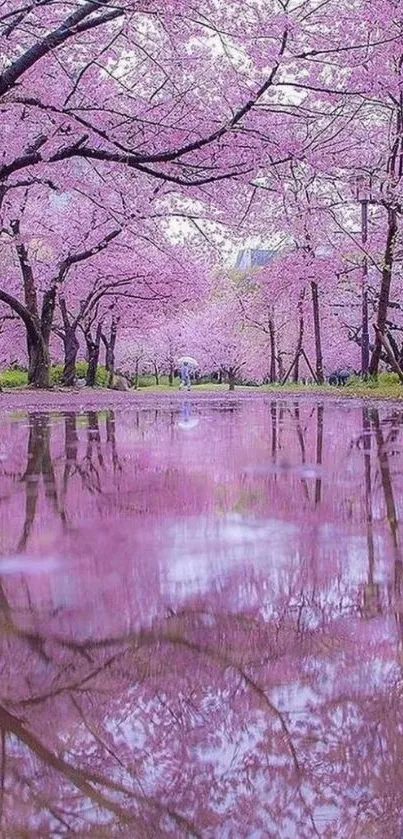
x,y
110,365
39,364
93,349
38,340
38,333
171,374
231,379
71,347
318,338
38,343
156,374
93,358
300,336
39,360
136,374
272,336
385,289
110,346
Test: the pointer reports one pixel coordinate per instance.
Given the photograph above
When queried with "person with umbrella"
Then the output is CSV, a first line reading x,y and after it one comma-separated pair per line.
x,y
186,362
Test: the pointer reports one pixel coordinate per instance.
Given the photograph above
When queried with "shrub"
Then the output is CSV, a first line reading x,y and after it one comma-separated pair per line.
x,y
355,381
13,378
383,380
387,379
81,370
149,381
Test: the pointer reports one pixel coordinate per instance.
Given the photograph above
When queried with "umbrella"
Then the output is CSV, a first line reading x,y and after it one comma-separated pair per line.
x,y
187,424
187,359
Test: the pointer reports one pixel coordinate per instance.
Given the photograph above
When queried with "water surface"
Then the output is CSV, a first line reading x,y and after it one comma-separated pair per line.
x,y
201,622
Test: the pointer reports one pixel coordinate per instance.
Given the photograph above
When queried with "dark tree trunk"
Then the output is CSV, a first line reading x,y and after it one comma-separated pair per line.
x,y
31,342
301,329
39,360
317,331
93,358
71,348
220,377
30,295
38,335
231,379
156,374
136,374
38,338
71,345
385,289
93,349
110,364
39,363
38,343
171,374
393,345
47,313
110,346
272,336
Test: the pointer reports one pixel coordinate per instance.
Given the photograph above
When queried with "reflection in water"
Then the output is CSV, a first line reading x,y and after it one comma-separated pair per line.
x,y
202,634
186,421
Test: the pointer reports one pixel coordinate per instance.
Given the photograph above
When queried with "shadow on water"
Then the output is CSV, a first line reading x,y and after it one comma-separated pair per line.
x,y
201,618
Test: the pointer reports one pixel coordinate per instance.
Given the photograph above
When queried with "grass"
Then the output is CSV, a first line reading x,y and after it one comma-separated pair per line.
x,y
81,369
386,386
16,377
13,378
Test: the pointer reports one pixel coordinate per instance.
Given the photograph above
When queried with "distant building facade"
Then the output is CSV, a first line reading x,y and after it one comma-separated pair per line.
x,y
253,258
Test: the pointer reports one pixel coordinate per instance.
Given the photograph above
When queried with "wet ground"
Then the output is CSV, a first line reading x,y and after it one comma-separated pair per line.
x,y
201,619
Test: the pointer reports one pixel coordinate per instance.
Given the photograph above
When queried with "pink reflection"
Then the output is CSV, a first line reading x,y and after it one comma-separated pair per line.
x,y
202,630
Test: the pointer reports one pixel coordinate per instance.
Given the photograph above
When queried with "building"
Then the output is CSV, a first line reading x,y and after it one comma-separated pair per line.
x,y
253,258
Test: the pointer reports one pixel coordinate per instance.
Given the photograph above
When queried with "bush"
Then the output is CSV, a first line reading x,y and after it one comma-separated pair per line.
x,y
149,381
16,376
81,371
387,379
383,380
13,378
355,381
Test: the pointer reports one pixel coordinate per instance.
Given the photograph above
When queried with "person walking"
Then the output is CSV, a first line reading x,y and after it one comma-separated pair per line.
x,y
184,376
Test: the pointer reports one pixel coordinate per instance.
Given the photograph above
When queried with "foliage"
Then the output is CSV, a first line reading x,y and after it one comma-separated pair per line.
x,y
81,370
13,378
215,115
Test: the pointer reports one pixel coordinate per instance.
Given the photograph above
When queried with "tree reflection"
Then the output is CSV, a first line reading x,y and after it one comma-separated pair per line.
x,y
256,702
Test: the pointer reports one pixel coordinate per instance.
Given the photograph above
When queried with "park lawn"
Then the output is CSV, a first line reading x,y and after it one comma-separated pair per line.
x,y
387,386
354,390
